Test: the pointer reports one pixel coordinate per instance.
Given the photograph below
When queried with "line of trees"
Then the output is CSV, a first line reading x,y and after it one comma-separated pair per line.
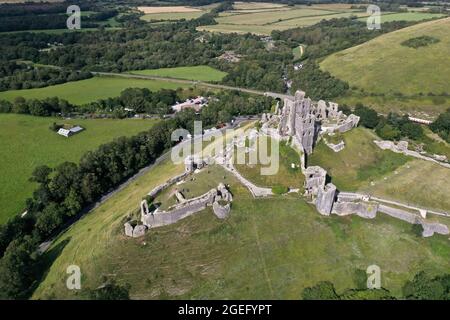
x,y
441,125
422,287
392,127
43,108
16,76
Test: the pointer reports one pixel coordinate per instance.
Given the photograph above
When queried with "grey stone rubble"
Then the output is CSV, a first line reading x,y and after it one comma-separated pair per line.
x,y
402,147
429,228
136,231
328,200
335,147
188,207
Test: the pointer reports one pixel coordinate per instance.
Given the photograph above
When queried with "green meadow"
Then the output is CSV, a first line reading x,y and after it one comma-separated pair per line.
x,y
198,73
84,91
385,66
27,141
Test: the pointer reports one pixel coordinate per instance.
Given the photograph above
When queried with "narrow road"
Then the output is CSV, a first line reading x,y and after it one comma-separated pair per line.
x,y
192,83
174,80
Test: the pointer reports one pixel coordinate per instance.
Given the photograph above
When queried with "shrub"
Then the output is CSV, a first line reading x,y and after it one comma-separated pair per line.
x,y
418,42
322,291
280,189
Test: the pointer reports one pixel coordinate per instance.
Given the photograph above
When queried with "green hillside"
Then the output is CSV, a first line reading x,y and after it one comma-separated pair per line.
x,y
384,65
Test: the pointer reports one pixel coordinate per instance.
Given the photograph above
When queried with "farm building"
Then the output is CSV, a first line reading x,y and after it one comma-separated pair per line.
x,y
70,132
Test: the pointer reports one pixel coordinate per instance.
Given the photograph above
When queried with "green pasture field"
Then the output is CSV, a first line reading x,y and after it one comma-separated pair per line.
x,y
262,20
286,175
89,90
425,107
199,73
383,65
26,142
172,16
407,16
360,162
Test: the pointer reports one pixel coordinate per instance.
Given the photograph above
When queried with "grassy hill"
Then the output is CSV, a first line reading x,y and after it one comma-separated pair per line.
x,y
84,91
384,65
267,248
27,142
360,162
362,166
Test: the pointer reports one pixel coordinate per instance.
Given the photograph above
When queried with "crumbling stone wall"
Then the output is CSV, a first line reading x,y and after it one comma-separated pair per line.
x,y
191,206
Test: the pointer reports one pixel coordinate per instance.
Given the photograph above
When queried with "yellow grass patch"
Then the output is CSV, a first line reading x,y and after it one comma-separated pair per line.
x,y
170,9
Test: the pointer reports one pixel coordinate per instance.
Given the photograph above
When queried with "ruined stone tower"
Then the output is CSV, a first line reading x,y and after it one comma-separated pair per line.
x,y
298,120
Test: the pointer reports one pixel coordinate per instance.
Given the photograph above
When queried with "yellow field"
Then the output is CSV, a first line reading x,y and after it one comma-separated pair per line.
x,y
256,5
171,9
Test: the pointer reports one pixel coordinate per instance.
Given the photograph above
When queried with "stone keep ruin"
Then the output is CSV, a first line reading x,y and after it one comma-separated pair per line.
x,y
301,121
304,121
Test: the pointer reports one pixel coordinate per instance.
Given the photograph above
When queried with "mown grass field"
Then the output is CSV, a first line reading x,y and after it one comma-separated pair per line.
x,y
383,65
418,182
263,19
173,16
200,73
173,13
84,91
362,166
407,16
286,175
267,248
27,141
359,163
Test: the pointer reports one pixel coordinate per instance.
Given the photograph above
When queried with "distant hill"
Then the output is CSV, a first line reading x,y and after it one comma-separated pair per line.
x,y
385,65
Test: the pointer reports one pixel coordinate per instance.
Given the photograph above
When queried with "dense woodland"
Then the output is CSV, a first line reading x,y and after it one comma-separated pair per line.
x,y
32,16
15,76
422,287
